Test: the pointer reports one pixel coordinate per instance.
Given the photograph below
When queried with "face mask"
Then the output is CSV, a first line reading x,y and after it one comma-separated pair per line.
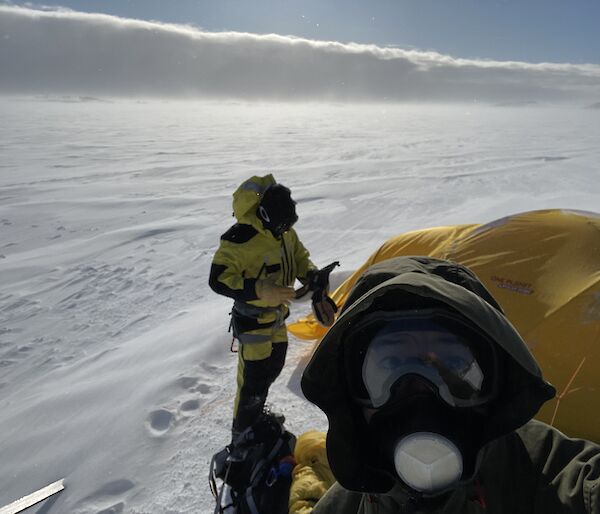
x,y
428,450
428,462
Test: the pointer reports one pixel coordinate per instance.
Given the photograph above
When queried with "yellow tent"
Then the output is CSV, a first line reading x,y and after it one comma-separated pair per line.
x,y
543,267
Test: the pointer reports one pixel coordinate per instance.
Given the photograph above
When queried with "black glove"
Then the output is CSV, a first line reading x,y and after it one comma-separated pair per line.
x,y
317,280
324,308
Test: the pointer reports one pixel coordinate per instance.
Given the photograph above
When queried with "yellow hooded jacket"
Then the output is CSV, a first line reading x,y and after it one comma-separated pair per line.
x,y
247,253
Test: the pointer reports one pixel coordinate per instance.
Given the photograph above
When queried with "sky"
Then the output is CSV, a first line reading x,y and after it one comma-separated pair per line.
x,y
516,30
230,52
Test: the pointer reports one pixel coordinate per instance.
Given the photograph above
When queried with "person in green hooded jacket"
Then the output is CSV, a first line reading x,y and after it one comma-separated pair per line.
x,y
430,393
258,260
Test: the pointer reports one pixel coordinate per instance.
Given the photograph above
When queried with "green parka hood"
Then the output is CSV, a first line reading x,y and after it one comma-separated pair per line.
x,y
415,283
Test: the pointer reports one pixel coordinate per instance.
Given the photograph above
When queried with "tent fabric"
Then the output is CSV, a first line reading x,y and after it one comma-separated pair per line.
x,y
543,268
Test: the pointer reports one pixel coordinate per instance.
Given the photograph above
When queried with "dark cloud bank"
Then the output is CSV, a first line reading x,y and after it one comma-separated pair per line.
x,y
64,52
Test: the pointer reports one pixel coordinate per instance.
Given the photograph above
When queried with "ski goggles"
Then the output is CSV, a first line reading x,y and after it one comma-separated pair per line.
x,y
278,224
445,355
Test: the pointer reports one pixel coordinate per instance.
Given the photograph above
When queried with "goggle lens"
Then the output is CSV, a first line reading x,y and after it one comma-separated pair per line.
x,y
443,358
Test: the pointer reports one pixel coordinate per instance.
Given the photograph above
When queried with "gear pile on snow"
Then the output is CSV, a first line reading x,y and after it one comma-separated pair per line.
x,y
253,474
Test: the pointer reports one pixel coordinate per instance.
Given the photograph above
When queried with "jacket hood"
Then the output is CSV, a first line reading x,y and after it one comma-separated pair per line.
x,y
246,199
416,283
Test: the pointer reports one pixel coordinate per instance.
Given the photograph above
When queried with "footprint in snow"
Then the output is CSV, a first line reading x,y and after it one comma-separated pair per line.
x,y
193,385
160,421
104,500
187,382
114,488
117,508
189,407
203,388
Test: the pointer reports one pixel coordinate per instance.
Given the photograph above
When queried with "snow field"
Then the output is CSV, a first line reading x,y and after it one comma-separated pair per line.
x,y
115,370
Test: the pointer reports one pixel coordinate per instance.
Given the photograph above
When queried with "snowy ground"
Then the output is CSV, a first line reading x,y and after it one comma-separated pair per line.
x,y
115,370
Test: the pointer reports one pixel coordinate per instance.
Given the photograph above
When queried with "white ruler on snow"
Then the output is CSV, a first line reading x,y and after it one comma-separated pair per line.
x,y
33,498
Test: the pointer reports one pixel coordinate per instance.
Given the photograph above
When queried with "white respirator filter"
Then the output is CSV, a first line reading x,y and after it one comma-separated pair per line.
x,y
428,462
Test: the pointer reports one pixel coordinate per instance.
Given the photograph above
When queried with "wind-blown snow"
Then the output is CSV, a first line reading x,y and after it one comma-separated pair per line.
x,y
66,52
115,370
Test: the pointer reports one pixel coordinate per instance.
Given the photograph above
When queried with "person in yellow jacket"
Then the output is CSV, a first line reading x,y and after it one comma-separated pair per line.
x,y
258,260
